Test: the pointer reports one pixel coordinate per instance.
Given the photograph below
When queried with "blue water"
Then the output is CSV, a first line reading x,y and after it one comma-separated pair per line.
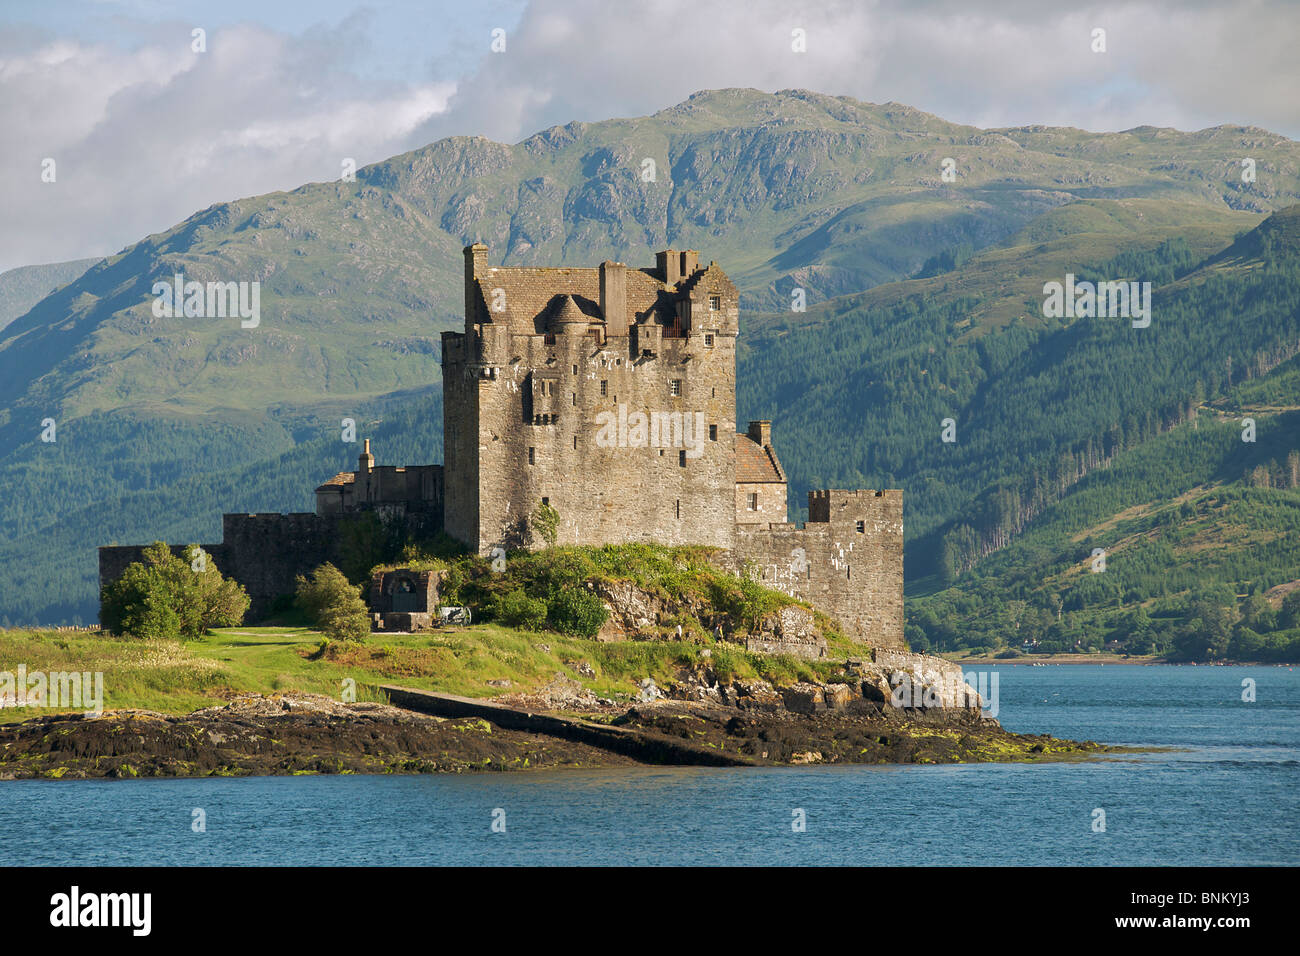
x,y
1229,796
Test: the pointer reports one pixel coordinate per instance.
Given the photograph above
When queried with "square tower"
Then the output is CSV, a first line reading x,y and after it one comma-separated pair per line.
x,y
607,393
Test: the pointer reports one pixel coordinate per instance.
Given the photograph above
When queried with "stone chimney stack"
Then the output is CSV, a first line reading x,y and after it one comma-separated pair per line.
x,y
366,461
690,262
669,265
475,266
761,432
613,295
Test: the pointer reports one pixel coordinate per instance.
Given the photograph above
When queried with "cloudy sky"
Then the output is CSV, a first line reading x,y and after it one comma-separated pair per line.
x,y
144,130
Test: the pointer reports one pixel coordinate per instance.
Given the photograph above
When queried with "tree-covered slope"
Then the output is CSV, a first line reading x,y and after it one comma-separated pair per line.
x,y
162,423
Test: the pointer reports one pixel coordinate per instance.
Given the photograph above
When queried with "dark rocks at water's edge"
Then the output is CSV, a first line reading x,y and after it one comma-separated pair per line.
x,y
308,734
260,736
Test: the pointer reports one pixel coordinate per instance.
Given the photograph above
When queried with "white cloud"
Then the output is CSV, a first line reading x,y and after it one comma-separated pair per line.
x,y
144,138
1168,62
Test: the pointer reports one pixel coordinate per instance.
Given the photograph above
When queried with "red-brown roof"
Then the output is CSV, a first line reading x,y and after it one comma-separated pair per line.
x,y
756,463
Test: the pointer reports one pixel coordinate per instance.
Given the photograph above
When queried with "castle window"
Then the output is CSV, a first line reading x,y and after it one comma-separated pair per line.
x,y
575,370
715,303
575,442
708,340
546,502
575,398
675,387
753,501
681,459
862,527
604,386
713,433
532,455
679,507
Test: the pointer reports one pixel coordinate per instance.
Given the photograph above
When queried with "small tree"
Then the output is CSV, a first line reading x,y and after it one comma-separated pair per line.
x,y
545,520
163,596
517,609
575,610
333,604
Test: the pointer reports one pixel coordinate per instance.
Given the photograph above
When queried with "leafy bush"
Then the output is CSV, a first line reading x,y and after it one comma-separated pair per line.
x,y
577,611
165,596
333,604
517,609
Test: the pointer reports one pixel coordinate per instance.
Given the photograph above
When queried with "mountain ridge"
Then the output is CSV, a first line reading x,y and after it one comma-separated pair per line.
x,y
793,190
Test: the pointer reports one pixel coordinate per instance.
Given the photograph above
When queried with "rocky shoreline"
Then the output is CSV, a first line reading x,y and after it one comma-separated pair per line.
x,y
719,724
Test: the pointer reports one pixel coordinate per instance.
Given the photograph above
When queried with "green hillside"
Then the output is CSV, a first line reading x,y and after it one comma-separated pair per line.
x,y
1201,540
925,302
22,288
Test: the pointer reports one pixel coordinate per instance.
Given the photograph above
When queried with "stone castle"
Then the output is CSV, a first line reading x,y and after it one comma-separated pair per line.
x,y
609,394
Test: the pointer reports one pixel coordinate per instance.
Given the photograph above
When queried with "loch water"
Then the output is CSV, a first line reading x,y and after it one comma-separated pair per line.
x,y
1227,793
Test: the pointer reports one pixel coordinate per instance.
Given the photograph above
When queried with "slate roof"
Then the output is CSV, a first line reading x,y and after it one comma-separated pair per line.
x,y
342,478
530,294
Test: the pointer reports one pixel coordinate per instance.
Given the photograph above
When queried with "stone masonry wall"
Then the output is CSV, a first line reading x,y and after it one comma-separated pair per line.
x,y
541,435
771,502
856,576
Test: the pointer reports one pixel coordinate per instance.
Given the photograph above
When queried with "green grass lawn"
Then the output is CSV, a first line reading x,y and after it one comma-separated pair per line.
x,y
176,677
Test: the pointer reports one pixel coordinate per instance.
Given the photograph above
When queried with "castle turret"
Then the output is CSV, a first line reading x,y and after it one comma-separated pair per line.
x,y
569,319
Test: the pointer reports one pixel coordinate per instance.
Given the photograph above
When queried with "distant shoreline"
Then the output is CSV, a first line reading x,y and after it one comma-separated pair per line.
x,y
1140,660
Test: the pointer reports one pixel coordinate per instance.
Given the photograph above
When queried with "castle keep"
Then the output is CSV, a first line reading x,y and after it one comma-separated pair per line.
x,y
609,394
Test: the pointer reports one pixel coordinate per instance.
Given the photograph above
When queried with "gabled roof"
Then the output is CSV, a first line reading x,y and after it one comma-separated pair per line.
x,y
530,293
756,463
342,478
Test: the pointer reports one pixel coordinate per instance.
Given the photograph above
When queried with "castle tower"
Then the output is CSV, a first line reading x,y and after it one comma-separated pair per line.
x,y
608,393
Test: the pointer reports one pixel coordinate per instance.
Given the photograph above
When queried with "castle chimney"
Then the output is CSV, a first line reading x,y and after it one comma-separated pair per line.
x,y
669,265
613,294
366,461
690,262
475,266
761,432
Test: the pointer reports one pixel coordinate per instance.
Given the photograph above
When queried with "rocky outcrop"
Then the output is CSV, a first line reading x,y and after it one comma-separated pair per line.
x,y
912,683
789,630
632,611
922,682
636,613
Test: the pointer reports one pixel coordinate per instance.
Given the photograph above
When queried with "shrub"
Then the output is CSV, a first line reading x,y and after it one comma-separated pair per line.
x,y
545,520
333,604
577,611
164,596
517,609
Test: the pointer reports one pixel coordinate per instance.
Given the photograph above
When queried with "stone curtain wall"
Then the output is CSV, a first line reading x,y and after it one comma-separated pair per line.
x,y
854,576
263,552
